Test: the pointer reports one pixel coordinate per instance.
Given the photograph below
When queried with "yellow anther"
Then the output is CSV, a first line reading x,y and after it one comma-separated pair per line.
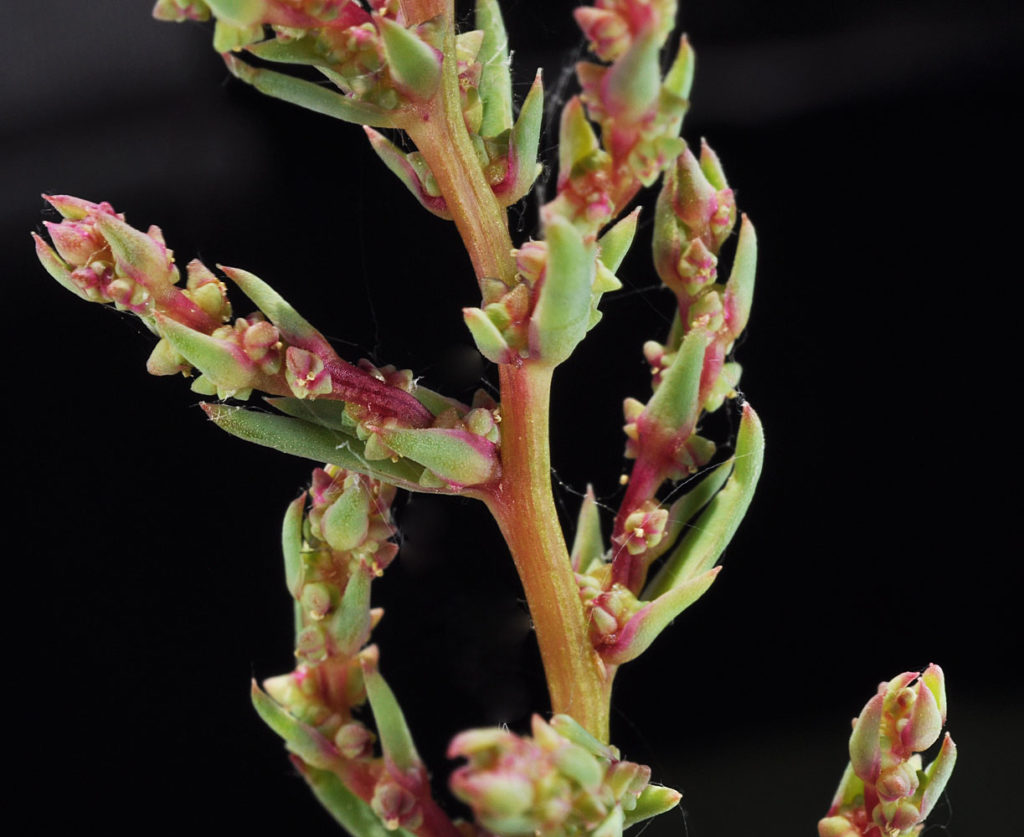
x,y
623,479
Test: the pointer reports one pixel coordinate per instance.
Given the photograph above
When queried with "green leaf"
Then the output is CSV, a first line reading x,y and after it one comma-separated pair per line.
x,y
309,95
310,441
291,544
413,63
679,78
523,145
323,411
350,622
457,456
588,545
686,507
303,740
296,51
576,138
398,164
137,253
488,339
615,243
653,800
496,75
216,359
295,328
562,313
351,812
739,289
632,83
395,737
675,405
648,622
56,267
238,12
435,402
704,544
345,521
935,776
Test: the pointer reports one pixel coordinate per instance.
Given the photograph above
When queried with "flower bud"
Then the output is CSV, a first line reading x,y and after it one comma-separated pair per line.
x,y
884,784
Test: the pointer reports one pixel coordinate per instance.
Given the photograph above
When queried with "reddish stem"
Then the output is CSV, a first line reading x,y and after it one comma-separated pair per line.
x,y
578,683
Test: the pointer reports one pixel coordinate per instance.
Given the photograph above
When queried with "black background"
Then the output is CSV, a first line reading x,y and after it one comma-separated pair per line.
x,y
874,147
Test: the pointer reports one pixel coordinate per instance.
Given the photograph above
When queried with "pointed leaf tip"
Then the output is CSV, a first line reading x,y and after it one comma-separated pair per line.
x,y
395,737
414,64
645,626
301,739
495,73
562,312
588,545
523,146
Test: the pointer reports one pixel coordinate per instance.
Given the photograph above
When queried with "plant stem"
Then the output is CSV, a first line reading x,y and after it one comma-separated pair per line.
x,y
524,507
439,132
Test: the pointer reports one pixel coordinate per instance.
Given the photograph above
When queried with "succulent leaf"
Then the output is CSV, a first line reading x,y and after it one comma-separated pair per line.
x,y
415,65
715,527
352,813
301,739
311,441
308,95
495,75
395,737
588,545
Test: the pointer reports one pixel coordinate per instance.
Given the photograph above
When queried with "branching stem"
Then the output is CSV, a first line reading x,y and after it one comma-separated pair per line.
x,y
522,503
578,682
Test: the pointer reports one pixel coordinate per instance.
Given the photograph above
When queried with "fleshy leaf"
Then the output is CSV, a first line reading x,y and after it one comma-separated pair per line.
x,y
398,164
615,243
686,507
311,441
323,411
415,65
562,312
495,74
645,625
291,544
935,777
350,622
653,800
351,812
303,740
344,522
309,95
489,341
703,545
395,738
292,325
216,359
740,288
456,456
523,145
675,405
238,12
588,545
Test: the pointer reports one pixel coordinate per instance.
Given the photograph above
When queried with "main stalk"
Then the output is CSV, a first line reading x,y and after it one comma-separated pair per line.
x,y
522,503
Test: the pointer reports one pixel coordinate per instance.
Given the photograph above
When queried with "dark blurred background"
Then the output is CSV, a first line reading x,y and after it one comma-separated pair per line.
x,y
874,145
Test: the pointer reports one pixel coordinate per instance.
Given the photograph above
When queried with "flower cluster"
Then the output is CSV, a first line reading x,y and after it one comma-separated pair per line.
x,y
559,782
885,791
451,134
381,412
639,112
